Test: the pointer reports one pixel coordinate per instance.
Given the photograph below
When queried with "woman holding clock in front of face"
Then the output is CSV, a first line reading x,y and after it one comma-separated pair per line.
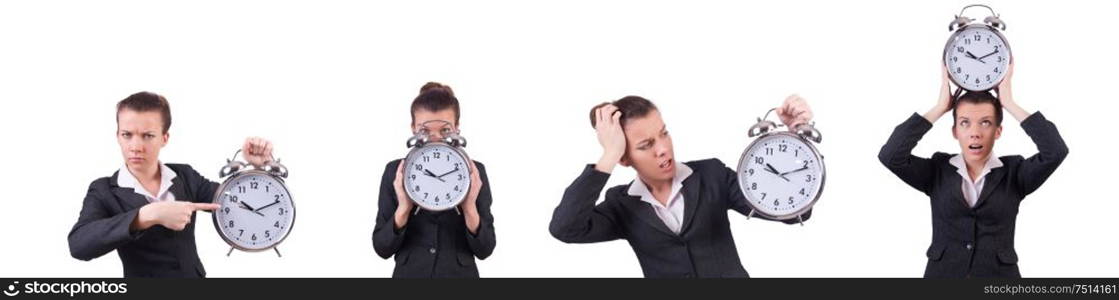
x,y
974,194
674,215
427,243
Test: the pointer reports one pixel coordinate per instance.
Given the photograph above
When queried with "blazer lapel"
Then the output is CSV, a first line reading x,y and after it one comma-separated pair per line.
x,y
128,197
645,212
178,188
690,190
994,178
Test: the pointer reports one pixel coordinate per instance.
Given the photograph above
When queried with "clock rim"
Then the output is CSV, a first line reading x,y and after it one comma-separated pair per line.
x,y
948,45
231,178
819,191
415,150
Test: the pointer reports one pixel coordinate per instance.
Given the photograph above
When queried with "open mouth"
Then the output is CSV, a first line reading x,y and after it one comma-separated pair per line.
x,y
975,148
666,164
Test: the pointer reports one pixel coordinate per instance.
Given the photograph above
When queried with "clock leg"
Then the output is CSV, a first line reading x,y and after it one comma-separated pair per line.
x,y
277,251
230,252
801,219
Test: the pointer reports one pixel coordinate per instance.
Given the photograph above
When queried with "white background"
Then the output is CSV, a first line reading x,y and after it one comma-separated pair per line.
x,y
330,83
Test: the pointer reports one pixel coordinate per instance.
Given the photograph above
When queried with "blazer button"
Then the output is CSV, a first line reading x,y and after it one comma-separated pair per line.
x,y
432,250
969,246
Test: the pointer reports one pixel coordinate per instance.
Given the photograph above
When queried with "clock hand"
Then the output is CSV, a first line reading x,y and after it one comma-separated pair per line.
x,y
448,173
429,173
794,171
266,206
246,207
988,54
972,56
771,169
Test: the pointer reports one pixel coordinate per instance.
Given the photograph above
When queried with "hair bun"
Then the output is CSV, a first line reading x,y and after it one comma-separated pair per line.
x,y
435,86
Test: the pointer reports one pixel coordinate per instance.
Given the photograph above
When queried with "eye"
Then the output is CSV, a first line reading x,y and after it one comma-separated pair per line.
x,y
965,123
985,123
126,134
148,136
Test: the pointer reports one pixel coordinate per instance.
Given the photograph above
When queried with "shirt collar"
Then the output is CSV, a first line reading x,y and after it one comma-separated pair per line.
x,y
993,162
638,187
125,179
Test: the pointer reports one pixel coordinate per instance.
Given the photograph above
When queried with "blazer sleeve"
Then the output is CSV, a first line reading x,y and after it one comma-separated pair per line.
x,y
896,155
99,231
483,241
577,219
386,238
1051,152
204,189
737,200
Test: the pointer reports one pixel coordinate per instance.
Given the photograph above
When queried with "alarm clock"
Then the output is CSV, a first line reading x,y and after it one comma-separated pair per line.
x,y
437,172
781,173
257,211
977,55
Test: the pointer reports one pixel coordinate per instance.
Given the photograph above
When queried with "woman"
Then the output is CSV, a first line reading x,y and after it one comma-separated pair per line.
x,y
427,243
975,194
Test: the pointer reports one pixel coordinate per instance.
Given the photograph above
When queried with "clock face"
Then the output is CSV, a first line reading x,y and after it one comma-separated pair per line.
x,y
781,175
256,211
977,58
436,176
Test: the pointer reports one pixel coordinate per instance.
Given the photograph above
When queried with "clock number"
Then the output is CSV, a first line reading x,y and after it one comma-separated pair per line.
x,y
225,209
417,188
254,185
254,236
790,200
426,159
809,178
977,37
768,151
959,70
267,234
448,196
456,188
989,77
996,69
436,155
459,177
277,197
266,189
763,196
230,223
955,59
776,202
783,148
233,199
419,167
241,232
425,195
802,191
750,171
999,59
977,81
241,189
960,49
281,211
754,186
759,160
277,225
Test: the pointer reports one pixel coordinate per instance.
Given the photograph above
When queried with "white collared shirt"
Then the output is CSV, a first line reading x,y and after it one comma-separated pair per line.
x,y
672,214
972,189
125,179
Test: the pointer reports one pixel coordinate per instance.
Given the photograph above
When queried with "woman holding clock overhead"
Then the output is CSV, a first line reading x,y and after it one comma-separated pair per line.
x,y
674,215
974,195
427,242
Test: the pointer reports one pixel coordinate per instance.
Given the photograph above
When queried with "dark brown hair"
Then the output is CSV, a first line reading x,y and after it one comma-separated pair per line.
x,y
146,102
632,107
434,97
978,98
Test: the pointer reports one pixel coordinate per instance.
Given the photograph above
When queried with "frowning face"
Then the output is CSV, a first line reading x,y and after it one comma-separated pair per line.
x,y
649,148
141,137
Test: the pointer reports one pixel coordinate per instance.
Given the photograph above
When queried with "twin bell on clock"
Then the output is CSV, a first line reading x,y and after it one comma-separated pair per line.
x,y
977,55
